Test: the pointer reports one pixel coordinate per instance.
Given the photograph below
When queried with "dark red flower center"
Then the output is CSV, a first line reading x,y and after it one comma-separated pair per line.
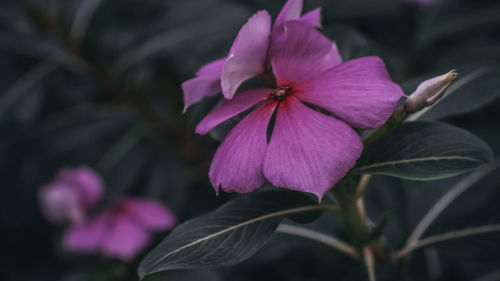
x,y
280,93
120,208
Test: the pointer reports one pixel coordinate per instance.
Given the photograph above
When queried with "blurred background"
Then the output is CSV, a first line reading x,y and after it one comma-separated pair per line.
x,y
97,83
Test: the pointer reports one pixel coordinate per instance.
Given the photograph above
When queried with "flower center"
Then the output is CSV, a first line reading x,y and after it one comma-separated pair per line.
x,y
120,208
281,93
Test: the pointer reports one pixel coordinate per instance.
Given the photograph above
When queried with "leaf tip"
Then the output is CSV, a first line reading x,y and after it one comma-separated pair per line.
x,y
143,270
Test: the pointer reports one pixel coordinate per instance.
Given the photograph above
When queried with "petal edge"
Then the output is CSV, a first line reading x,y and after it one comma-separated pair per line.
x,y
237,164
309,151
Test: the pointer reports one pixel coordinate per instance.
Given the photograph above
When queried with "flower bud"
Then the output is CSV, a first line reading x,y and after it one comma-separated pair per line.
x,y
429,91
71,195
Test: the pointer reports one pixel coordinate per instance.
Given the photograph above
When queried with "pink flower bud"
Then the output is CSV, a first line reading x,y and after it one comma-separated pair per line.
x,y
429,91
70,196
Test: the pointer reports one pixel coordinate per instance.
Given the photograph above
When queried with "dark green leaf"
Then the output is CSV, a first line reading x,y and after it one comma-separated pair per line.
x,y
228,235
424,151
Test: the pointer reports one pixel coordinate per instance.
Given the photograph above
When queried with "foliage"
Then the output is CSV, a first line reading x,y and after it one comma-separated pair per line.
x,y
98,83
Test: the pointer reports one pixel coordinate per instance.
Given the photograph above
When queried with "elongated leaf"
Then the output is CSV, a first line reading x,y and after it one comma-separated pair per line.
x,y
230,234
425,151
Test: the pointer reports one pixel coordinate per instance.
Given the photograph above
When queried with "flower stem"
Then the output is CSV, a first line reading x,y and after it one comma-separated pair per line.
x,y
446,200
319,237
369,262
365,179
396,118
444,237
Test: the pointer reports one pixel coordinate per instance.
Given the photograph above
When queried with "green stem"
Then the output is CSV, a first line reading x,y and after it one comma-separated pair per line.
x,y
369,262
445,237
319,237
397,117
350,195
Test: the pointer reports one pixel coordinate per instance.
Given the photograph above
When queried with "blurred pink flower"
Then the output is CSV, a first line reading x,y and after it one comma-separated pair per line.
x,y
249,56
122,230
71,194
308,151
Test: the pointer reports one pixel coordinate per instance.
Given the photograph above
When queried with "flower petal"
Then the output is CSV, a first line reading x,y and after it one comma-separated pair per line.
x,y
213,66
247,57
309,151
88,236
360,92
60,202
229,108
312,18
125,239
237,164
151,214
205,85
305,54
290,11
91,185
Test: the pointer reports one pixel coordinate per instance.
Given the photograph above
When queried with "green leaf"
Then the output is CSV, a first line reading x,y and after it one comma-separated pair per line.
x,y
230,234
424,151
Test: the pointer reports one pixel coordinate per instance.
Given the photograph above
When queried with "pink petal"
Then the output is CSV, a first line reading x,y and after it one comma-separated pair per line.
x,y
125,239
229,108
290,11
360,92
237,164
305,54
60,202
87,237
309,151
247,57
72,193
312,18
205,85
151,214
90,185
213,66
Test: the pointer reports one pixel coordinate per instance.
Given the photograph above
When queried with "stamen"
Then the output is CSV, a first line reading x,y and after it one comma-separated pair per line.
x,y
280,93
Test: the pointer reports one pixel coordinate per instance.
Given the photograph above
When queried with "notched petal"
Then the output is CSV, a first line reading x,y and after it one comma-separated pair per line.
x,y
309,151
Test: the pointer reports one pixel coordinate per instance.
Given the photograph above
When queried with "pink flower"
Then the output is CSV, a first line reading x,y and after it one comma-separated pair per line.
x,y
120,231
71,194
249,56
307,151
